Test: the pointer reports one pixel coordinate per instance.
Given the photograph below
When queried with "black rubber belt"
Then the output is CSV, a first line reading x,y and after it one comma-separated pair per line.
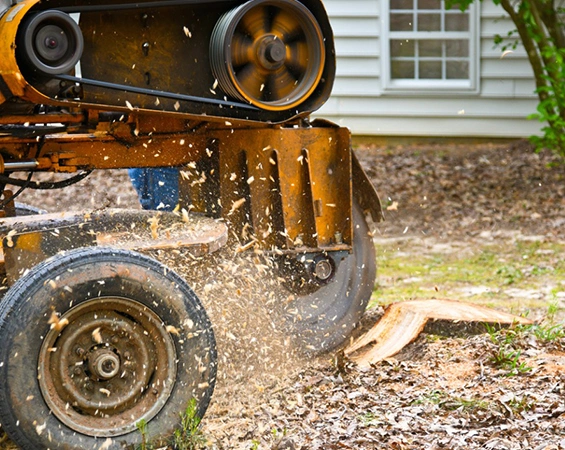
x,y
155,93
139,5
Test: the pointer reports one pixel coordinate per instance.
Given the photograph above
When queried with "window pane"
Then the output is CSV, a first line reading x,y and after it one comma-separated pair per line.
x,y
402,47
402,69
429,4
458,47
401,4
429,22
430,70
457,22
430,48
414,56
401,22
457,70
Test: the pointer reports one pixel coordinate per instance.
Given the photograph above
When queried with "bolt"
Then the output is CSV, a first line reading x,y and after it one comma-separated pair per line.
x,y
155,391
127,355
114,340
77,371
88,386
80,351
338,237
323,269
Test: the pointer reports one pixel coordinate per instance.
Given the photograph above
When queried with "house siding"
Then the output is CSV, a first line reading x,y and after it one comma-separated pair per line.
x,y
497,108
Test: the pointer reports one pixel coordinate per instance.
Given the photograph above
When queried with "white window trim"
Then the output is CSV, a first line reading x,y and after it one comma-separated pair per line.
x,y
432,87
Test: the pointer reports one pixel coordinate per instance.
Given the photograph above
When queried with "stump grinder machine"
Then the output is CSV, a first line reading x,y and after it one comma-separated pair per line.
x,y
96,336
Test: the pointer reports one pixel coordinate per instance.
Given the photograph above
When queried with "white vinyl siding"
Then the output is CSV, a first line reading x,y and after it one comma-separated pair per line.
x,y
497,105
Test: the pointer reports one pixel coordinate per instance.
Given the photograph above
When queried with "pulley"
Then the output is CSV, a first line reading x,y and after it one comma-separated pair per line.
x,y
49,43
269,53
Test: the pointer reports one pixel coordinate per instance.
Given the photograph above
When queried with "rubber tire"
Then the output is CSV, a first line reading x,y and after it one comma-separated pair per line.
x,y
24,314
324,319
23,209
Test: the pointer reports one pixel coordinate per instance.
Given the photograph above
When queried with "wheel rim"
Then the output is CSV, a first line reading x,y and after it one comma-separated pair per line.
x,y
269,53
113,364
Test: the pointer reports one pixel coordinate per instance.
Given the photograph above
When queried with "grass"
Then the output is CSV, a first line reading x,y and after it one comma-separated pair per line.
x,y
504,274
188,437
509,342
449,402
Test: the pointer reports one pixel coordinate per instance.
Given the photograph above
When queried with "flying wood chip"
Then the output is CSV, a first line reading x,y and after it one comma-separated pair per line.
x,y
403,322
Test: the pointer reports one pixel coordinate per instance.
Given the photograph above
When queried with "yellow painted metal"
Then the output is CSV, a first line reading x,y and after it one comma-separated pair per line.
x,y
28,240
286,186
9,70
155,60
292,186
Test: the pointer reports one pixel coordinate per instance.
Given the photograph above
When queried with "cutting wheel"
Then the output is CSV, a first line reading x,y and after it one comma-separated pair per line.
x,y
269,53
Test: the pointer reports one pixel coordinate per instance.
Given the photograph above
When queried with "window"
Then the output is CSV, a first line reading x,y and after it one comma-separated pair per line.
x,y
429,47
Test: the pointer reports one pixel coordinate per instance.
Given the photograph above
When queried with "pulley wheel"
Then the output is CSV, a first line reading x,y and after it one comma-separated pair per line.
x,y
49,43
269,53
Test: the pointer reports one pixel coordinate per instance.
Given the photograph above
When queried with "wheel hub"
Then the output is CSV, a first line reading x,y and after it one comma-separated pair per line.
x,y
323,269
51,44
104,364
112,365
271,52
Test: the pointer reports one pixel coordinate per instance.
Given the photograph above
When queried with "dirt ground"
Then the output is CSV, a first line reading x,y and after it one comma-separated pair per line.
x,y
444,391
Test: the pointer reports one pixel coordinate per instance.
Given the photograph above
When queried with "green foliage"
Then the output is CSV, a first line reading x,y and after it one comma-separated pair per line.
x,y
548,333
506,355
448,402
433,397
142,428
539,28
519,405
553,308
189,436
508,359
509,342
510,274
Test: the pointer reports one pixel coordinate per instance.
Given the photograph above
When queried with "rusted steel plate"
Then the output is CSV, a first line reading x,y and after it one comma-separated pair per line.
x,y
28,240
403,322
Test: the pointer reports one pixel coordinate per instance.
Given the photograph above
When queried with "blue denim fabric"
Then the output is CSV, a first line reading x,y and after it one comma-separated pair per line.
x,y
156,188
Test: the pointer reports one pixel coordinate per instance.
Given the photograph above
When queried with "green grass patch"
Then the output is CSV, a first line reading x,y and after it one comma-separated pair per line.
x,y
523,274
450,402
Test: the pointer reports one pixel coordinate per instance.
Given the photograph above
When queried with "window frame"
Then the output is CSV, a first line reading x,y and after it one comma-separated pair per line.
x,y
431,86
